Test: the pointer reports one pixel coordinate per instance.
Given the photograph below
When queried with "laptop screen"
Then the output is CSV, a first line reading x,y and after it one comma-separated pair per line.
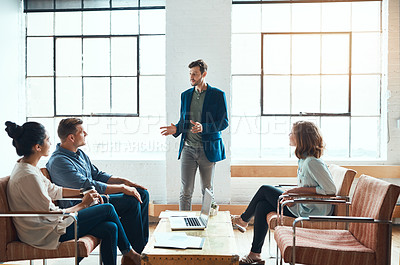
x,y
206,206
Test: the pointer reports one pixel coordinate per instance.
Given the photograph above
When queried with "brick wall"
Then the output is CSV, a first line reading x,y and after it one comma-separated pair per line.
x,y
393,74
12,68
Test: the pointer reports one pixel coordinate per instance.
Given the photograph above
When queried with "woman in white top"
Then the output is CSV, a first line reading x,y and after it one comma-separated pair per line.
x,y
29,190
313,177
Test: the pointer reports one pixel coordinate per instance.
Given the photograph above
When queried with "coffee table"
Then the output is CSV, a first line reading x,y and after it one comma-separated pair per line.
x,y
219,245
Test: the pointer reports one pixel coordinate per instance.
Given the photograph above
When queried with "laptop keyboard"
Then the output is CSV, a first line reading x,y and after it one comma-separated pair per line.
x,y
191,221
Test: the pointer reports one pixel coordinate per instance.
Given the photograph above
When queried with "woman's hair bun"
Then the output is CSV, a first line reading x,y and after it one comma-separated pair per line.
x,y
13,130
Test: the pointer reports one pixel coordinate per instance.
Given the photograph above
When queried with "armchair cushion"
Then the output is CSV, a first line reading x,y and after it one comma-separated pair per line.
x,y
329,247
17,250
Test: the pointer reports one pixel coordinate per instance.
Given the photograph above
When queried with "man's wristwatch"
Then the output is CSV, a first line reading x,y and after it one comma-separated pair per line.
x,y
81,190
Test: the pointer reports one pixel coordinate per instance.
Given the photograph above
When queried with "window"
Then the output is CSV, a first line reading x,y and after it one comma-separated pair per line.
x,y
103,61
307,61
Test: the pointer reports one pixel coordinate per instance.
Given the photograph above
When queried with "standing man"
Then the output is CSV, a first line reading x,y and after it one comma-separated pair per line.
x,y
203,117
70,167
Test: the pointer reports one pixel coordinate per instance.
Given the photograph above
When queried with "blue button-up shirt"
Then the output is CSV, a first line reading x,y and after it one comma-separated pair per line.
x,y
74,170
313,172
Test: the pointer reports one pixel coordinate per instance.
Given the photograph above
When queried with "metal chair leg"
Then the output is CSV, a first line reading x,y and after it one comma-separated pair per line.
x,y
389,258
271,256
276,257
100,259
76,238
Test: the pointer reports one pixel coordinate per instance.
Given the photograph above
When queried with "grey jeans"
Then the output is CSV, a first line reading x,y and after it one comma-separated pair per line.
x,y
191,159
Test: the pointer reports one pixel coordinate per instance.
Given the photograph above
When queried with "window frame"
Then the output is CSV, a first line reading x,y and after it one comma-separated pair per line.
x,y
318,114
82,37
380,115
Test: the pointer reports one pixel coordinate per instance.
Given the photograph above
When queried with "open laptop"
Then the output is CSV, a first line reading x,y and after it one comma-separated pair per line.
x,y
197,222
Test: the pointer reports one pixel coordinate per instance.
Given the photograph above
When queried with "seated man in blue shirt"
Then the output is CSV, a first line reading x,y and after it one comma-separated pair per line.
x,y
70,167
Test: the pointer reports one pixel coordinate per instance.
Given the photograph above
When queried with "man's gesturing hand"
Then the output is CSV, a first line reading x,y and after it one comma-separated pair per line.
x,y
168,130
197,127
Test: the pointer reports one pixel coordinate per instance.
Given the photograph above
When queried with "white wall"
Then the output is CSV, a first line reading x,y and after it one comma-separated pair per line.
x,y
393,81
12,103
151,174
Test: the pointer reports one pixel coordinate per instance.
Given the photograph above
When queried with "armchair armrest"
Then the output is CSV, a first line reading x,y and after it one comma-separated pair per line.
x,y
319,201
297,195
70,199
285,185
36,214
106,198
324,199
346,219
311,197
313,201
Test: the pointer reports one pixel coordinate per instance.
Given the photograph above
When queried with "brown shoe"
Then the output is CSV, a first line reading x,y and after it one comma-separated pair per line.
x,y
238,223
247,260
128,261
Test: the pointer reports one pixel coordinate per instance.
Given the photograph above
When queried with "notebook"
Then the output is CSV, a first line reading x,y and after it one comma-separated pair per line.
x,y
197,222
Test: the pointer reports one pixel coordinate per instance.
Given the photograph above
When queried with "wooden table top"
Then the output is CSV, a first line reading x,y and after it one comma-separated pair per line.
x,y
219,239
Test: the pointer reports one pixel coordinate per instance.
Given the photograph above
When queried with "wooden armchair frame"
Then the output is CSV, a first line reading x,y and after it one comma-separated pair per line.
x,y
48,214
372,203
10,245
343,180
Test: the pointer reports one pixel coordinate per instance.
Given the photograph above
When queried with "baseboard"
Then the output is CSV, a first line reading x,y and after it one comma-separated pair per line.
x,y
156,209
396,213
276,171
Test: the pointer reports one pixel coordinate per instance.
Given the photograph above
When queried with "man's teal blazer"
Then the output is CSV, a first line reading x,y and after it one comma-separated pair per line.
x,y
214,119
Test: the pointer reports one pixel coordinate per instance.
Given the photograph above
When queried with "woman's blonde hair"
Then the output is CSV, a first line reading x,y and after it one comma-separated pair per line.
x,y
309,140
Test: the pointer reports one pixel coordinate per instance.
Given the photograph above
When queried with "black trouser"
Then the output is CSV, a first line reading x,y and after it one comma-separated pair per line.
x,y
263,202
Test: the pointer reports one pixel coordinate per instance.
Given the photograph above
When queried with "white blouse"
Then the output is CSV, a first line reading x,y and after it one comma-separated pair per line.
x,y
29,190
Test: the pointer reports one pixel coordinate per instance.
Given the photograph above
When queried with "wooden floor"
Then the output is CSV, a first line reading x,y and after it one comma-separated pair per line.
x,y
396,245
243,241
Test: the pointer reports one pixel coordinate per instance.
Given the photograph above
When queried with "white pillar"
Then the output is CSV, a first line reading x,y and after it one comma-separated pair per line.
x,y
393,79
12,71
198,29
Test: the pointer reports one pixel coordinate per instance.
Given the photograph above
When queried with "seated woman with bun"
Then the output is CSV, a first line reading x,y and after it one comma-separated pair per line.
x,y
29,190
